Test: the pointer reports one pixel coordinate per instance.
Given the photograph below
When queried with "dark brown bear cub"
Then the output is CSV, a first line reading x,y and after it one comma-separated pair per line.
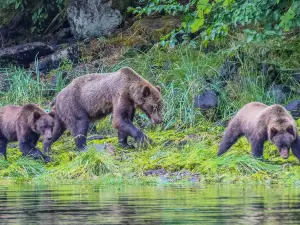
x,y
259,122
25,124
95,96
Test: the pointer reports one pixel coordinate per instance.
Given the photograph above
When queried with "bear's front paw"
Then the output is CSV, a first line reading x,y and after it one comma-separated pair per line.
x,y
125,145
144,141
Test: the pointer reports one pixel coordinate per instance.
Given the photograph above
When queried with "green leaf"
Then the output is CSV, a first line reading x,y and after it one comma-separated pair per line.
x,y
195,26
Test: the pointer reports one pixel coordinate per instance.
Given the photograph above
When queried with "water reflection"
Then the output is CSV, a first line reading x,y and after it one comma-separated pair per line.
x,y
84,204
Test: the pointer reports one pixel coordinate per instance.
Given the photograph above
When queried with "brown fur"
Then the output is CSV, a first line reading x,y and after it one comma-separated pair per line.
x,y
259,122
94,96
25,124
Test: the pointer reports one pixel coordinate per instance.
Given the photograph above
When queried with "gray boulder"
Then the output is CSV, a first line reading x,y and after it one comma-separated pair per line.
x,y
207,100
94,18
294,108
24,54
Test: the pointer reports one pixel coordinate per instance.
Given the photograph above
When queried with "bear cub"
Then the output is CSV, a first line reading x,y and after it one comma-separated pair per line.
x,y
259,123
25,124
94,96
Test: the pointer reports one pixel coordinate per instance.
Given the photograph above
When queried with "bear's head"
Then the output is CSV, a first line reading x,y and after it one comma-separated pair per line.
x,y
283,135
149,100
43,123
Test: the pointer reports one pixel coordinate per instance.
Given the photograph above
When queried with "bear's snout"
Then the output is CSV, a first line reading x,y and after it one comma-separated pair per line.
x,y
48,135
284,153
156,120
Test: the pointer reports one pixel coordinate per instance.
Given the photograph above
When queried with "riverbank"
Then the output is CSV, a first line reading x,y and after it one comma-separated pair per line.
x,y
185,149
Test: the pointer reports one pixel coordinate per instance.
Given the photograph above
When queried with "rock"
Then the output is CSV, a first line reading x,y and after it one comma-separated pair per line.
x,y
94,18
207,100
294,108
25,54
296,77
182,143
152,28
54,60
279,93
270,71
155,172
229,69
103,147
168,143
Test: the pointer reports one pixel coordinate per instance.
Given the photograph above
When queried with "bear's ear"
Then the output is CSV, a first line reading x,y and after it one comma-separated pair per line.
x,y
146,91
158,88
52,114
273,132
290,130
36,115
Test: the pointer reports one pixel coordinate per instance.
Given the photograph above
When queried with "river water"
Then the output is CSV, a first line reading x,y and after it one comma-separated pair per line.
x,y
90,204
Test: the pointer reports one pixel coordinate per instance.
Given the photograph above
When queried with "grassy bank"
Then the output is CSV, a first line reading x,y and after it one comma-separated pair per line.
x,y
188,139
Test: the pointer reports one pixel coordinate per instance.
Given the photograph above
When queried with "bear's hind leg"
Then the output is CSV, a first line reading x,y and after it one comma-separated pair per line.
x,y
232,134
296,148
3,146
79,131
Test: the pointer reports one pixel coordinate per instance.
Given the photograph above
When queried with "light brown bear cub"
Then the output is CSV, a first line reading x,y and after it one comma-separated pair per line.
x,y
259,122
94,96
25,124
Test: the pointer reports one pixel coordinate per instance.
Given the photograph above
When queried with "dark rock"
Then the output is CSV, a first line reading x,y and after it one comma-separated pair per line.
x,y
270,71
63,35
95,137
207,100
155,172
93,18
294,108
296,77
279,93
229,69
53,61
168,143
25,54
182,143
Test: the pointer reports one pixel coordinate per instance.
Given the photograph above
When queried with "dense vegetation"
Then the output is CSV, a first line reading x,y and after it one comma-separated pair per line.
x,y
247,33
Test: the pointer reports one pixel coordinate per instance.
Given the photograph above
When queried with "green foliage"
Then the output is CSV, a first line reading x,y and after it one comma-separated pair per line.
x,y
215,19
43,15
23,169
86,166
22,87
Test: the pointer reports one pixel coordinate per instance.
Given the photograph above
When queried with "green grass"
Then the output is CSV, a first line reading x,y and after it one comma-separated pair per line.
x,y
183,73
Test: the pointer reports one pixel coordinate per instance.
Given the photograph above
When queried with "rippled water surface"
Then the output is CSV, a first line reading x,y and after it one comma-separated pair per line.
x,y
84,204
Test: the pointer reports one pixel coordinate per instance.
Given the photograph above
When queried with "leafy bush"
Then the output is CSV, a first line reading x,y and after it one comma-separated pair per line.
x,y
214,19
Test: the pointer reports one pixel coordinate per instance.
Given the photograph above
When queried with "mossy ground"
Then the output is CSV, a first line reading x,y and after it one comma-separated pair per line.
x,y
198,155
188,139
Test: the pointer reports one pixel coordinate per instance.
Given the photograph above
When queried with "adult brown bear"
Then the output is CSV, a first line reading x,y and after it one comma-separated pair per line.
x,y
94,96
259,122
25,124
